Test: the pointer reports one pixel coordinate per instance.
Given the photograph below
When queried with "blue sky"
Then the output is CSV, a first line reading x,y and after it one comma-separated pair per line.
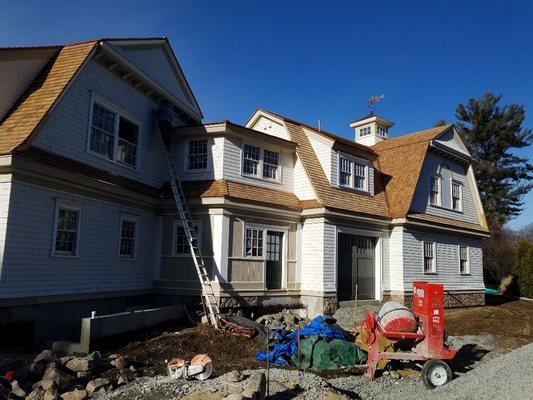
x,y
316,60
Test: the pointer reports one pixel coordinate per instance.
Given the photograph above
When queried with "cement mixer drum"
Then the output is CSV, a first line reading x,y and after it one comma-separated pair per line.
x,y
395,317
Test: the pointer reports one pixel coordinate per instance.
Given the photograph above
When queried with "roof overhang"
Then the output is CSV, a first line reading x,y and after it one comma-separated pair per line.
x,y
449,153
375,118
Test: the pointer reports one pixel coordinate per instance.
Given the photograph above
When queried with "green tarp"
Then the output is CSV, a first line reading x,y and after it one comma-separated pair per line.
x,y
318,354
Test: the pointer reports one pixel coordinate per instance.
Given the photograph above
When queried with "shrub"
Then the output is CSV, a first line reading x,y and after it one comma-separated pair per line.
x,y
523,268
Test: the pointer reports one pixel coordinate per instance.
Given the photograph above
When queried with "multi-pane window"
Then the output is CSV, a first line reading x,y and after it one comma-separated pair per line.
x,y
66,231
365,131
434,186
113,136
359,176
429,257
254,242
345,172
251,160
181,242
381,131
270,164
463,259
198,154
128,231
456,196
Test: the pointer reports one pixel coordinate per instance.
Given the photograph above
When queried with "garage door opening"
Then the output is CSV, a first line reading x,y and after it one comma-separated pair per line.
x,y
356,261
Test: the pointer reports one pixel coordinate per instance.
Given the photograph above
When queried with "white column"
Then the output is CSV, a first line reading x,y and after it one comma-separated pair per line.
x,y
220,238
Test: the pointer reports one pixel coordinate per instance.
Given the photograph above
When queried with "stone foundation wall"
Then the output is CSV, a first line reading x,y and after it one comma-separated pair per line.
x,y
451,299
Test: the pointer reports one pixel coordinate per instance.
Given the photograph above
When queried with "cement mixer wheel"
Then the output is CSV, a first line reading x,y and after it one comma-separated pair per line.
x,y
436,373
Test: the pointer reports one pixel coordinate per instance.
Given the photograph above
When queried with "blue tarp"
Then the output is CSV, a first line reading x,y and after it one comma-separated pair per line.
x,y
288,342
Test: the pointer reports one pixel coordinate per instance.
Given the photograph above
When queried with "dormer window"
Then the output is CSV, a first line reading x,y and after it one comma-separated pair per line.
x,y
251,160
198,154
434,190
260,163
457,191
365,131
353,172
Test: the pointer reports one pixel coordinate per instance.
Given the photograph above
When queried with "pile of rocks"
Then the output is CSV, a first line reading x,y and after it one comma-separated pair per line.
x,y
285,320
239,387
50,377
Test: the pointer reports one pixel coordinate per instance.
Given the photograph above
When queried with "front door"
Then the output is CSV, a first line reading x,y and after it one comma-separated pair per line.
x,y
274,259
355,267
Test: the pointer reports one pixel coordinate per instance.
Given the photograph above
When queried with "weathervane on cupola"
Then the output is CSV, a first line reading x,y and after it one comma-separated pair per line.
x,y
371,128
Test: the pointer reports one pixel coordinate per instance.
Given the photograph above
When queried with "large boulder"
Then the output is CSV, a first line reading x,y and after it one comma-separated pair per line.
x,y
96,384
84,364
54,377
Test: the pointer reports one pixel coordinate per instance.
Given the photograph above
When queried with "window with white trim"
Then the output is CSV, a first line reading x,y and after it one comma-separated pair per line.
x,y
353,172
464,267
381,131
128,237
198,154
66,231
181,243
113,136
434,190
270,164
429,257
345,172
251,159
253,242
457,191
367,130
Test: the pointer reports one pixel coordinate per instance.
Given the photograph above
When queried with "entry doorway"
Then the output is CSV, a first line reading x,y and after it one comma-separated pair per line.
x,y
274,259
355,266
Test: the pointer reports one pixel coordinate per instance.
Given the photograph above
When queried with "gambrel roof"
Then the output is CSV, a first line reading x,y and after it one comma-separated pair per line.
x,y
39,99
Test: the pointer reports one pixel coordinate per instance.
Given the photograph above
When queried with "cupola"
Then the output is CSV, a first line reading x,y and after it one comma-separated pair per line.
x,y
371,129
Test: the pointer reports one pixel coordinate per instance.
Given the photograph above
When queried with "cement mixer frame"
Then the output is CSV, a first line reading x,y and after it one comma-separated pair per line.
x,y
427,342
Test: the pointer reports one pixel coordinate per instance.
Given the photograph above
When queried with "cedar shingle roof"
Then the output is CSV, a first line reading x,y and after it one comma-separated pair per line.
x,y
401,160
445,221
34,105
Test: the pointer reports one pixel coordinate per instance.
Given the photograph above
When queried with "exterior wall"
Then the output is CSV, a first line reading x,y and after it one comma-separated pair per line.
x,y
452,140
232,166
5,194
324,152
266,125
29,269
396,260
66,130
313,240
302,185
421,197
154,63
180,152
447,259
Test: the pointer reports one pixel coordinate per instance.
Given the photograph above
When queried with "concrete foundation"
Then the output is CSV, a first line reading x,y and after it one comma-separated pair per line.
x,y
319,304
452,299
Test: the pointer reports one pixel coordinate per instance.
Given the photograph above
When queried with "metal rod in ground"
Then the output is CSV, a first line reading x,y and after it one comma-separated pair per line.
x,y
268,363
355,306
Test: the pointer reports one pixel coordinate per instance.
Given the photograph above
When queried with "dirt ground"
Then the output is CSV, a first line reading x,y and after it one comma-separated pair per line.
x,y
511,323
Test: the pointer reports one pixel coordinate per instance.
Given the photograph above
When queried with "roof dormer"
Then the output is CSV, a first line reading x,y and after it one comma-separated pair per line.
x,y
371,129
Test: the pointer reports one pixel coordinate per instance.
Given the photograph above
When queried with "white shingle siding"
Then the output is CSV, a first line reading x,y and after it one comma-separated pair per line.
x,y
421,197
232,166
396,263
302,185
323,151
447,259
385,260
312,263
66,130
28,269
270,127
5,193
154,63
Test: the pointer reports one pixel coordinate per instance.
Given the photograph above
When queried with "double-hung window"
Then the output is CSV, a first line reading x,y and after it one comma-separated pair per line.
x,y
260,163
181,243
456,196
353,173
253,242
429,257
434,190
345,172
198,154
463,260
113,136
128,237
251,160
66,231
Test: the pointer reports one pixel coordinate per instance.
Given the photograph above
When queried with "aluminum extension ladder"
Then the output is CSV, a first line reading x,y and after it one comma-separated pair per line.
x,y
209,300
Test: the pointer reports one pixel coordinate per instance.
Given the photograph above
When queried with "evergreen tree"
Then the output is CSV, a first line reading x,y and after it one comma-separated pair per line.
x,y
490,131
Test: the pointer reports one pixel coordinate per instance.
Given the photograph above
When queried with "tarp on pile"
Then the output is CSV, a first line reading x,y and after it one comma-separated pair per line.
x,y
288,341
318,354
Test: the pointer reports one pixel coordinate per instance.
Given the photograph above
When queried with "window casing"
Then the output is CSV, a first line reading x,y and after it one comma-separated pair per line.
x,y
353,173
381,131
198,154
261,163
464,267
112,135
457,194
367,130
434,190
66,232
128,237
253,243
181,243
430,265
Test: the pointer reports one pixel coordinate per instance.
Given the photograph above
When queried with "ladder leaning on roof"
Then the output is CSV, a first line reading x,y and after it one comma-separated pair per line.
x,y
209,300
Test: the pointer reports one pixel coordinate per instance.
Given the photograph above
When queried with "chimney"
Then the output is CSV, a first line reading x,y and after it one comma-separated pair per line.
x,y
371,129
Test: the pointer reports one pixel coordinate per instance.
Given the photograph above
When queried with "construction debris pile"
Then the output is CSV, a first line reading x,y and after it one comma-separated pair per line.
x,y
286,320
50,377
